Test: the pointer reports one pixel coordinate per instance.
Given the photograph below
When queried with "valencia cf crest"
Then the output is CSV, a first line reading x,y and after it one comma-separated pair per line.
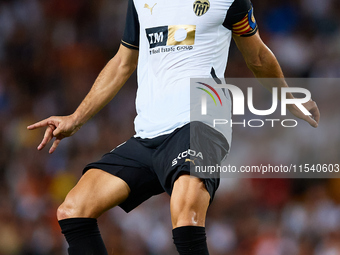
x,y
201,7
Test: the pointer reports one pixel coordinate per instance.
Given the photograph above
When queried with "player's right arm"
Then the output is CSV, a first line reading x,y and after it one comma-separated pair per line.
x,y
106,86
108,83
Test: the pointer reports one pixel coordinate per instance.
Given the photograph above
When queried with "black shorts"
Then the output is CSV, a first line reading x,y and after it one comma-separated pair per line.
x,y
151,166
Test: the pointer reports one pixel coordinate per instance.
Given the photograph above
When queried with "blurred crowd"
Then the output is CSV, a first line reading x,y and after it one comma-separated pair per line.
x,y
51,52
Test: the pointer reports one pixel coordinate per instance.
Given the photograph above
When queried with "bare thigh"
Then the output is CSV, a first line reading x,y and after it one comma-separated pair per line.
x,y
189,202
96,192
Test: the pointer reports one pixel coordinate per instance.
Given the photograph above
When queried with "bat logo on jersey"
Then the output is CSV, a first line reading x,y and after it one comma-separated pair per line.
x,y
171,35
201,7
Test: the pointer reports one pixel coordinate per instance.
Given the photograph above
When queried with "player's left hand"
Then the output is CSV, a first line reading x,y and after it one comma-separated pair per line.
x,y
311,106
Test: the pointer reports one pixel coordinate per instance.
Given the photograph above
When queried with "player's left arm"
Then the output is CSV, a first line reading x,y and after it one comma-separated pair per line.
x,y
263,63
259,58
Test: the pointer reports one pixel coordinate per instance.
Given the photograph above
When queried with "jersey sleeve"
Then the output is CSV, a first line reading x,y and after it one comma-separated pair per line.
x,y
131,33
240,18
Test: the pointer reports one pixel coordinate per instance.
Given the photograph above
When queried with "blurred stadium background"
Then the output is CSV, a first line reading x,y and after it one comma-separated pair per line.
x,y
50,53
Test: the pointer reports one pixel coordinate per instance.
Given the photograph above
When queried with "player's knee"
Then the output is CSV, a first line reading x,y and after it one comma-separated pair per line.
x,y
72,208
189,202
66,210
188,213
186,218
75,207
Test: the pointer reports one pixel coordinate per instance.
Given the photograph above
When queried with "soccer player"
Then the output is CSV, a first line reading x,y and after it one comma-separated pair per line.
x,y
170,42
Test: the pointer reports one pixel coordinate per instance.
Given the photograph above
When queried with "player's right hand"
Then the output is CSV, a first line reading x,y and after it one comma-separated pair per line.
x,y
58,127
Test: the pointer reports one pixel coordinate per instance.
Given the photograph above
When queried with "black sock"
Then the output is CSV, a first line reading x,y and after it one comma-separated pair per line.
x,y
83,236
190,240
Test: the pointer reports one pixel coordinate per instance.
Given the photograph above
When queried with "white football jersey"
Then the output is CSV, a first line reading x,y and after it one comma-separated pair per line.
x,y
178,40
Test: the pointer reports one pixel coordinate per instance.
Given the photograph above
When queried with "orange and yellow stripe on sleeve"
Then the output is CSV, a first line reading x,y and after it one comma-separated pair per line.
x,y
247,26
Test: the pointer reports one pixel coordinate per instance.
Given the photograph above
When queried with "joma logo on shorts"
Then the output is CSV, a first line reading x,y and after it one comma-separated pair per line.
x,y
185,154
